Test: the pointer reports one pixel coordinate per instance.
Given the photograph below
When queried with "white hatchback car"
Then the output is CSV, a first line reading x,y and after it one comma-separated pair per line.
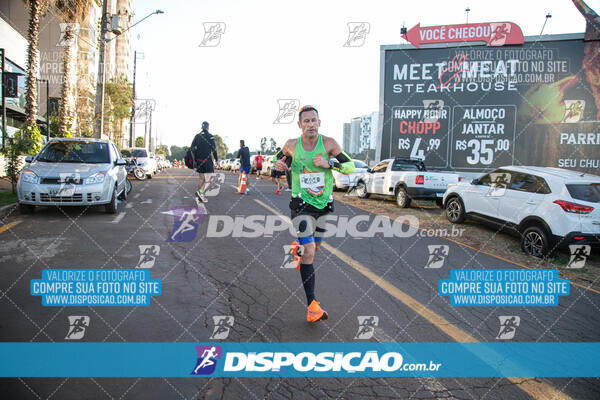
x,y
73,172
548,208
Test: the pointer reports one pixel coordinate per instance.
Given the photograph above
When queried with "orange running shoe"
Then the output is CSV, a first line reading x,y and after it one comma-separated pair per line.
x,y
277,191
296,250
315,312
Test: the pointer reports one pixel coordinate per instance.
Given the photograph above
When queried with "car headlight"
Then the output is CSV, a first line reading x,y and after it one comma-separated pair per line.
x,y
29,177
98,177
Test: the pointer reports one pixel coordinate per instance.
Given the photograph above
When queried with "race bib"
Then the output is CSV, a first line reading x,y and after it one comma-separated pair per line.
x,y
313,181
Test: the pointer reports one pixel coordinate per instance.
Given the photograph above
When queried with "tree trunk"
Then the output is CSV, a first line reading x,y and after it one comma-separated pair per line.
x,y
36,8
65,115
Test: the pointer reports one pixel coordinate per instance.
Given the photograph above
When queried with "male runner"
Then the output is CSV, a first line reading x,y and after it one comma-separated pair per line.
x,y
244,156
276,175
312,187
258,162
203,146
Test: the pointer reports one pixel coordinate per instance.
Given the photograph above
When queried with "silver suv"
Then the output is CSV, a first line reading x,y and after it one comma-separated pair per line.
x,y
547,208
74,172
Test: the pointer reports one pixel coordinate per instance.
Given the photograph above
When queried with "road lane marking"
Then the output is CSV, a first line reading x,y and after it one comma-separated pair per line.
x,y
9,225
536,389
136,196
147,201
118,218
129,205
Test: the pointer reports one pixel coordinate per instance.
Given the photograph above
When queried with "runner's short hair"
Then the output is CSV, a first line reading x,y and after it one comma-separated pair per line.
x,y
305,109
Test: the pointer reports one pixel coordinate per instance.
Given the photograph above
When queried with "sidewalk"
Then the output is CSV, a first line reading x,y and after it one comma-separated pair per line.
x,y
6,196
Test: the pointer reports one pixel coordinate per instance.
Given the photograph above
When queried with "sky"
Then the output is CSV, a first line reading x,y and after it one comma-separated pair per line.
x,y
273,50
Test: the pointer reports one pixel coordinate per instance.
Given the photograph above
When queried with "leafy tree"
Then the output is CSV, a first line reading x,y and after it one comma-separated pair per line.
x,y
272,146
139,142
221,147
177,152
36,10
263,144
26,141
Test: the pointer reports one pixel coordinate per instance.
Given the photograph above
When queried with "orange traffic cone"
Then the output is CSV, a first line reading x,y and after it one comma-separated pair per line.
x,y
243,184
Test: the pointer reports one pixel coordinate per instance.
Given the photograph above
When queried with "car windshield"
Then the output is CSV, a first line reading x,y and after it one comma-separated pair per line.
x,y
359,164
75,152
586,192
139,153
400,165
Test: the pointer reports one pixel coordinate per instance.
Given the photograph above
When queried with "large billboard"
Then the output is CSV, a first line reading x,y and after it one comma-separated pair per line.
x,y
474,108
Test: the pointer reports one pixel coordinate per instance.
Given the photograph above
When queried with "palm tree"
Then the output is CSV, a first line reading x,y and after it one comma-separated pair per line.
x,y
73,11
36,9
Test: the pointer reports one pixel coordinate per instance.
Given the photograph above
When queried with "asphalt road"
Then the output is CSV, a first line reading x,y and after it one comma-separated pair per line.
x,y
243,278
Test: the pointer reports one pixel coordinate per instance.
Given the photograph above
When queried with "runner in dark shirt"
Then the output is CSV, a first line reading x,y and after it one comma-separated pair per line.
x,y
203,146
244,156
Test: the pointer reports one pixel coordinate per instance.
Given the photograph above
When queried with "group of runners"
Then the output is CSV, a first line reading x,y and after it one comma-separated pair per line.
x,y
308,161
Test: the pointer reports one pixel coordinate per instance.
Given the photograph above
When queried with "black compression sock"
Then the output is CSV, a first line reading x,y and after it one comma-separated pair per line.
x,y
307,272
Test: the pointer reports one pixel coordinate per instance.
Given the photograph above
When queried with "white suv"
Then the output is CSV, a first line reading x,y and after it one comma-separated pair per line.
x,y
547,208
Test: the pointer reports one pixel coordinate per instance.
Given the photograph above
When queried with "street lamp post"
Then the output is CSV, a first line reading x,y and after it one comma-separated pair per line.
x,y
99,106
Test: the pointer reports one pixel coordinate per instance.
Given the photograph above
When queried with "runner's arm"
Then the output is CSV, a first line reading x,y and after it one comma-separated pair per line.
x,y
343,163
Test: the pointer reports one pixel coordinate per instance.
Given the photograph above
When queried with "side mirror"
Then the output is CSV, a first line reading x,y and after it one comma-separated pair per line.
x,y
475,181
120,162
28,159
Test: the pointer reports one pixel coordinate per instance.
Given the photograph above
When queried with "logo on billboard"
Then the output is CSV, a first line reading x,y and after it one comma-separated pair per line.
x,y
77,326
508,326
148,255
433,109
357,33
579,253
500,32
288,108
212,34
223,325
366,326
437,255
207,359
574,110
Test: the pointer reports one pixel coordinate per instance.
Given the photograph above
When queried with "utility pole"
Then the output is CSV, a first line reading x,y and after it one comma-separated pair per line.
x,y
3,102
132,119
150,131
99,107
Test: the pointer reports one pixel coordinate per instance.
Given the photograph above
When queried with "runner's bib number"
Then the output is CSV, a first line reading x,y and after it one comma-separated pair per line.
x,y
312,180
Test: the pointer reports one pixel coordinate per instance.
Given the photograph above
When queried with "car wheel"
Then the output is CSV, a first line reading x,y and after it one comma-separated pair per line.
x,y
361,190
113,206
455,210
534,241
26,208
402,198
139,174
123,195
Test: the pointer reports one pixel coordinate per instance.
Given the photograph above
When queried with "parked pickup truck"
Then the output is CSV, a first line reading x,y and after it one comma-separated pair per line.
x,y
405,179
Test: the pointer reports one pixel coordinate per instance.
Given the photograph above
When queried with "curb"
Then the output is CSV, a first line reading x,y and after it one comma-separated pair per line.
x,y
7,209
